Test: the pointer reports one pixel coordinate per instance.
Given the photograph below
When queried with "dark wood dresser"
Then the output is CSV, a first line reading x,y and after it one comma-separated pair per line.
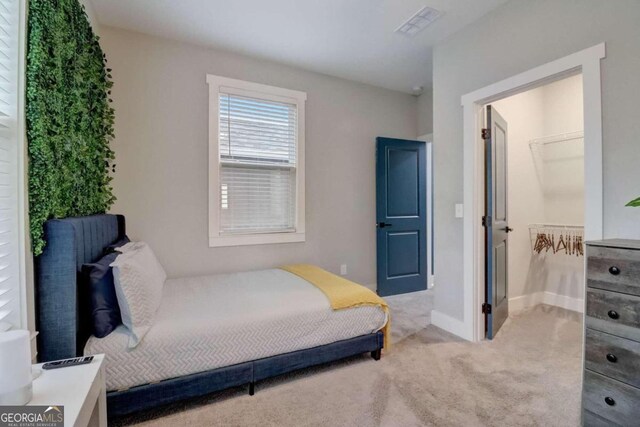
x,y
611,387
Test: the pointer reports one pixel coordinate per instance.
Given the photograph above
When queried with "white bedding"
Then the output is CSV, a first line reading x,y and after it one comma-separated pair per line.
x,y
210,322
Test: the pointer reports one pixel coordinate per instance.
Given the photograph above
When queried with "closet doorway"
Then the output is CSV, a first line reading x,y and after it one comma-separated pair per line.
x,y
534,201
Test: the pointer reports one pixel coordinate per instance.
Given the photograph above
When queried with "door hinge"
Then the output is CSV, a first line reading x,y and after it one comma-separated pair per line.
x,y
486,133
486,308
486,220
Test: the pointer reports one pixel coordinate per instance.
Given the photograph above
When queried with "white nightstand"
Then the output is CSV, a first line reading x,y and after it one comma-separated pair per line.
x,y
80,389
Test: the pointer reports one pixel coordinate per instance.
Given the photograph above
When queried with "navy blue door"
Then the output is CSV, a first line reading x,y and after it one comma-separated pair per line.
x,y
496,222
401,211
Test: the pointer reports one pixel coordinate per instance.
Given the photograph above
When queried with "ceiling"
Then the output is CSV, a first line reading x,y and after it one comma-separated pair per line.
x,y
352,39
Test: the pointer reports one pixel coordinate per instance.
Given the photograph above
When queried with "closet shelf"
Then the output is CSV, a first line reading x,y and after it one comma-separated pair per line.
x,y
552,139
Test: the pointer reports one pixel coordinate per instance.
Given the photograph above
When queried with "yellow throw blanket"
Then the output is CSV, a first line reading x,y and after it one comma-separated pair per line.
x,y
342,293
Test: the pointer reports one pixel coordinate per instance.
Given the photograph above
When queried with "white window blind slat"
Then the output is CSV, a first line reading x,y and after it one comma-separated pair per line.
x,y
257,146
10,304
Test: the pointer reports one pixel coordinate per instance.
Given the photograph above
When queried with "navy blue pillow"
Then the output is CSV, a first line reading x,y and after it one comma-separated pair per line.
x,y
112,247
105,312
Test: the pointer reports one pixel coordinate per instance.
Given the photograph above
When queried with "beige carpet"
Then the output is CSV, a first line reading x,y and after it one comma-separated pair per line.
x,y
528,376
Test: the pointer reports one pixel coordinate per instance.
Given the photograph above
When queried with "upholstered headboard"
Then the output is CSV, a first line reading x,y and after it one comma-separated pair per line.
x,y
62,305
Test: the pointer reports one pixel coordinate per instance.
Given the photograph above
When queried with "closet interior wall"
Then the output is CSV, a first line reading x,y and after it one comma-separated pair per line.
x,y
545,185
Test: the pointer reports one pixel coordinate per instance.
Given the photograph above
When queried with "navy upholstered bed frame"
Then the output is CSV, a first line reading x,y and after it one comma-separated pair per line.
x,y
63,321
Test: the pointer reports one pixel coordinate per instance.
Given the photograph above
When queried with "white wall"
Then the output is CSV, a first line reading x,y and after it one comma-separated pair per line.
x,y
514,38
564,162
425,112
161,102
546,185
93,20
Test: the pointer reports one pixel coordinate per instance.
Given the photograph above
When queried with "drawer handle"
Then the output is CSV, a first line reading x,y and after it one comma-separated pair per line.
x,y
614,270
612,358
609,401
613,314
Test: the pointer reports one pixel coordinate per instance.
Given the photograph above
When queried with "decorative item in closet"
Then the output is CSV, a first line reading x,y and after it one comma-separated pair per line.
x,y
557,239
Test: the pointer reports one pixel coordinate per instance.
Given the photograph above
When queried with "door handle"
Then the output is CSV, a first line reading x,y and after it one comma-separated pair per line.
x,y
507,229
383,224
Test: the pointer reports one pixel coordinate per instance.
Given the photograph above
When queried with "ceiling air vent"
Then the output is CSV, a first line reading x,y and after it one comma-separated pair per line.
x,y
419,21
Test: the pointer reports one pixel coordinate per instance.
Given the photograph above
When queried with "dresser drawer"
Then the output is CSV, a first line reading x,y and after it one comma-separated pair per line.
x,y
614,269
615,357
614,313
589,419
611,399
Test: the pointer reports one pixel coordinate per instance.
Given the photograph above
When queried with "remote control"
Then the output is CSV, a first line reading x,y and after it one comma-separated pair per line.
x,y
68,362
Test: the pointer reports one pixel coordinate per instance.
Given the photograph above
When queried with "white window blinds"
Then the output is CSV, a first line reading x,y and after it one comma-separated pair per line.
x,y
10,289
257,146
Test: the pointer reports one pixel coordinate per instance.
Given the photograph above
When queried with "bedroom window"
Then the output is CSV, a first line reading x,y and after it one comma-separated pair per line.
x,y
256,163
13,314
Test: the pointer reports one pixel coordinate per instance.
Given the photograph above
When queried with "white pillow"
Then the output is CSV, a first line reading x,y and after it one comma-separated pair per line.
x,y
138,278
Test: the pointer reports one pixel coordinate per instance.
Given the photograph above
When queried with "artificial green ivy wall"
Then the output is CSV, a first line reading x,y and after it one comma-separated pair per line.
x,y
69,117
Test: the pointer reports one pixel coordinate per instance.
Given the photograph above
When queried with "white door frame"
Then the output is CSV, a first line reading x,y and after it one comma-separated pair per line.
x,y
586,61
428,138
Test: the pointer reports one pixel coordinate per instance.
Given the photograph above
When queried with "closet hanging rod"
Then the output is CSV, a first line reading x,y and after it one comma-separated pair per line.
x,y
553,139
559,226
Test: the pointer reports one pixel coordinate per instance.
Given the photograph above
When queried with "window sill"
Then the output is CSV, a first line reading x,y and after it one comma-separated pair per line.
x,y
255,239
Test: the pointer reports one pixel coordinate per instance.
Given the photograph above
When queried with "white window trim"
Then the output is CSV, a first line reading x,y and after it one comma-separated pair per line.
x,y
241,87
24,308
24,250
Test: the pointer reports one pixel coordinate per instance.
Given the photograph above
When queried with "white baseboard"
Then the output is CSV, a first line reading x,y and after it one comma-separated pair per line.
x,y
543,297
570,303
525,301
450,324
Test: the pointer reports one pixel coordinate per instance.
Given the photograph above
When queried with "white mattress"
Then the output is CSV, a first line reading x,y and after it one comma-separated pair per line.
x,y
210,322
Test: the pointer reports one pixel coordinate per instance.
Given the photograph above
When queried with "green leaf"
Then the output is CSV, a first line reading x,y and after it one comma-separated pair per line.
x,y
634,203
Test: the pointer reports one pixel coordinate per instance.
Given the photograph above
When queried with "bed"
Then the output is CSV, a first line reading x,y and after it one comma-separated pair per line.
x,y
210,333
